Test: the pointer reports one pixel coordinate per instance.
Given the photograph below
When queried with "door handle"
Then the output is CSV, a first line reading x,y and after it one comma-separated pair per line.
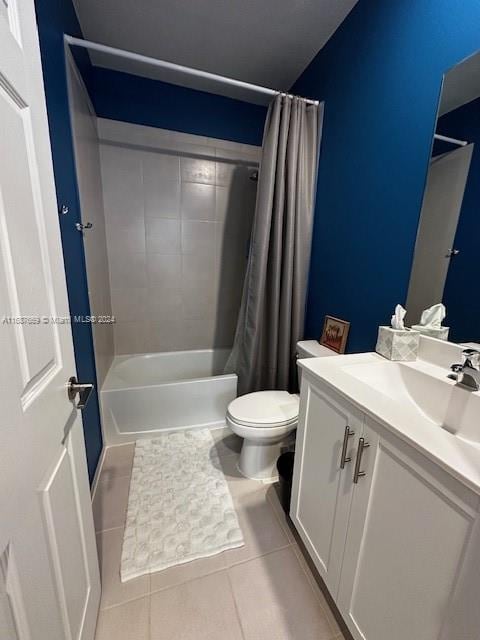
x,y
344,459
357,473
84,391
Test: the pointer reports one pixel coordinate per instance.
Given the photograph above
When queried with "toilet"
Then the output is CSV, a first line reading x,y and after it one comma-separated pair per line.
x,y
265,420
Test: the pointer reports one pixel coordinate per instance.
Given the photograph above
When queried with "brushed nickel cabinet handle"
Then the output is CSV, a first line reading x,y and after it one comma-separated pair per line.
x,y
357,473
344,459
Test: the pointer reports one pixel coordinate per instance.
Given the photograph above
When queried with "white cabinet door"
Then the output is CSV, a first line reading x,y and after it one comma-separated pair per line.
x,y
321,488
49,577
408,530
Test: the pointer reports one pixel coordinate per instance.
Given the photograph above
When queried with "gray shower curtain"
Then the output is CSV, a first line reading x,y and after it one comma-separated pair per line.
x,y
272,311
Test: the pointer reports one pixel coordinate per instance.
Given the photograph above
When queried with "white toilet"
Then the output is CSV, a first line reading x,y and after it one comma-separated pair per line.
x,y
265,419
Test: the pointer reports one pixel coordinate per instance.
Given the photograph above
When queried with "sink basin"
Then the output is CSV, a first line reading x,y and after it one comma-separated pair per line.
x,y
425,390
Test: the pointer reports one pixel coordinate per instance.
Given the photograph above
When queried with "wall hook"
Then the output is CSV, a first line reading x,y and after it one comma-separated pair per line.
x,y
82,227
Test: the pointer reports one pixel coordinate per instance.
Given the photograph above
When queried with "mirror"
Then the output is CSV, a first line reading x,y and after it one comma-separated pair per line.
x,y
446,263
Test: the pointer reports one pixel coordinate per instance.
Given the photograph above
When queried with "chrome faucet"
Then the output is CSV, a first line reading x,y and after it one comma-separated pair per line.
x,y
467,374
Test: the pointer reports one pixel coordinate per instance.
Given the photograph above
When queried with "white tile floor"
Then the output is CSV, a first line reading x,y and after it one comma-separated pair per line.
x,y
262,591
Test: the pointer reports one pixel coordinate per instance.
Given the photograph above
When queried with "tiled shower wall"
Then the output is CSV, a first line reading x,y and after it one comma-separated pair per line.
x,y
179,212
87,160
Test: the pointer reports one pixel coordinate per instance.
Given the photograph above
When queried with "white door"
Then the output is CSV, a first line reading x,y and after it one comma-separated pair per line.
x,y
49,579
446,181
409,527
322,489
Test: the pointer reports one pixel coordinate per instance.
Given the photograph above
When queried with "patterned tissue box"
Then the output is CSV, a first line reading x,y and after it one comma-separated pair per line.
x,y
397,344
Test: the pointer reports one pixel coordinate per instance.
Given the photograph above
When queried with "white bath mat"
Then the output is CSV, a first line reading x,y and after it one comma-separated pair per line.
x,y
179,508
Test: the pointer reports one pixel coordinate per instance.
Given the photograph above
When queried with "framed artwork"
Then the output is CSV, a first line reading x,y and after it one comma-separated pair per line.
x,y
335,334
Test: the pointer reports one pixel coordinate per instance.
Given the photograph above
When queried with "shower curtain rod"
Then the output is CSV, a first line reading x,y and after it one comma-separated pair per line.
x,y
163,64
460,143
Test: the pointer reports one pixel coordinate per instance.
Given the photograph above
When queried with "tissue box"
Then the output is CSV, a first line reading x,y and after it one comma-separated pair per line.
x,y
441,333
396,344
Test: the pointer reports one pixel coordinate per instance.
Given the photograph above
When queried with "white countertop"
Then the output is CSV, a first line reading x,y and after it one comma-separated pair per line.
x,y
458,457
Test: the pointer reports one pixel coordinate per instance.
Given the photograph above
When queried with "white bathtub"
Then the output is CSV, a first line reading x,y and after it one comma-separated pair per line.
x,y
148,393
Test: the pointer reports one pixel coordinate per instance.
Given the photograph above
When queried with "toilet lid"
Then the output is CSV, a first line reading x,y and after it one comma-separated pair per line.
x,y
269,408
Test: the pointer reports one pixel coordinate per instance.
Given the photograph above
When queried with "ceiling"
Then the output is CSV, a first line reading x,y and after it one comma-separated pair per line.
x,y
461,84
265,42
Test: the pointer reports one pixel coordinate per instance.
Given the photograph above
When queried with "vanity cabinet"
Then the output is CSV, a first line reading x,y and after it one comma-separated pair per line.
x,y
398,545
322,491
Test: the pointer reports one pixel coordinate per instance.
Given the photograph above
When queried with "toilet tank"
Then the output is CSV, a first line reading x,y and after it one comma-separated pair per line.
x,y
312,349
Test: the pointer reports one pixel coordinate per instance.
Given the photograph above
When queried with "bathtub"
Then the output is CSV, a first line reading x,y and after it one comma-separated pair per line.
x,y
148,393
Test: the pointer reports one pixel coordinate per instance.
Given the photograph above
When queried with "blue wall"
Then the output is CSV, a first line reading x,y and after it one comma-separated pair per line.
x,y
461,289
53,18
121,96
380,77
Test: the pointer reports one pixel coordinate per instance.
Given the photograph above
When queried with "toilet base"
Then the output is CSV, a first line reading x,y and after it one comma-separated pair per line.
x,y
258,460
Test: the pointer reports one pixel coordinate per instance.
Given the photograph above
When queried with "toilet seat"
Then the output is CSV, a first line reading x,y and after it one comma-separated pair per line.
x,y
267,427
264,409
261,433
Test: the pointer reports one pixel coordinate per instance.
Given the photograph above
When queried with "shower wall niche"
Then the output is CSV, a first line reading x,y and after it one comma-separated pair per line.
x,y
178,217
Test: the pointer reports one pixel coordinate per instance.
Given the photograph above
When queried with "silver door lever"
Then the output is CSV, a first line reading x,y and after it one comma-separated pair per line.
x,y
84,391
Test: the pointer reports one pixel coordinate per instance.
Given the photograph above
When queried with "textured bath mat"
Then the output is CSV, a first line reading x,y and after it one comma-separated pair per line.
x,y
179,508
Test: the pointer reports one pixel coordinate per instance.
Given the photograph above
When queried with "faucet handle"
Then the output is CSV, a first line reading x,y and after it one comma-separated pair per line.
x,y
471,358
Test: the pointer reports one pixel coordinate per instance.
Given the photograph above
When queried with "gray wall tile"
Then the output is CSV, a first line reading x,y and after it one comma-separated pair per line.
x,y
127,239
127,270
161,185
164,301
178,243
162,235
198,237
88,167
199,331
224,173
122,184
158,167
130,337
198,269
129,305
196,170
164,269
162,199
197,201
167,334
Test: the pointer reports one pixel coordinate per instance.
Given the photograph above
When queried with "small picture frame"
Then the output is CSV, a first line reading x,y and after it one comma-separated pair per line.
x,y
335,334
